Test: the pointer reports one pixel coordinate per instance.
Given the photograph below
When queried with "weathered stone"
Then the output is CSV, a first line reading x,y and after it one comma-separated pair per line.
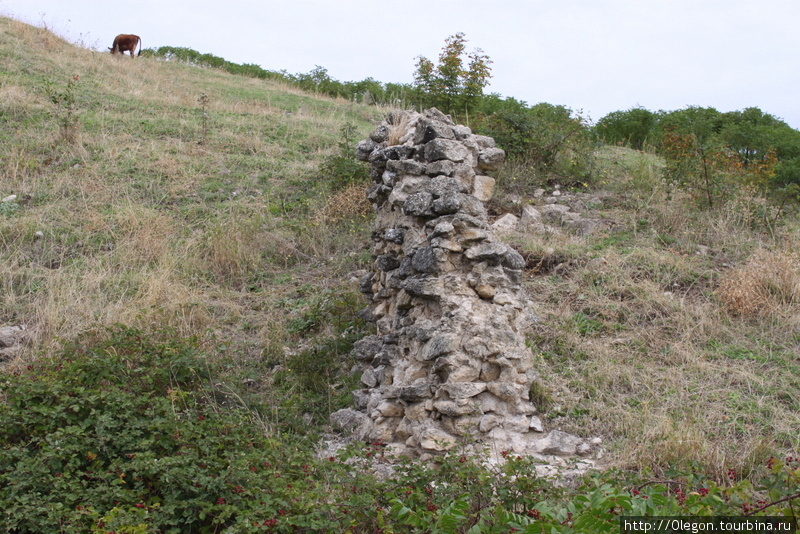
x,y
553,213
483,187
434,439
558,443
513,259
491,252
581,226
398,152
446,185
490,372
447,204
449,358
448,149
490,159
443,228
530,217
387,262
517,423
366,348
437,346
452,408
463,390
506,391
442,167
426,260
489,421
369,377
415,392
463,132
406,167
390,409
419,286
429,130
395,235
505,224
11,336
484,141
464,172
348,419
536,424
361,398
380,134
418,204
365,148
485,291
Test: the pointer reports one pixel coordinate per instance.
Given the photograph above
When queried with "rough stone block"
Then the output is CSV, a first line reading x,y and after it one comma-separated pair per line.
x,y
483,187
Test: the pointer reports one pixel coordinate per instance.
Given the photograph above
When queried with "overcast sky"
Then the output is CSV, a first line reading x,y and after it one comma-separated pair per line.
x,y
594,56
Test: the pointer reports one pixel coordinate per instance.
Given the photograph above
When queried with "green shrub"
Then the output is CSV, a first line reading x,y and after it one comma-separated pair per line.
x,y
122,432
634,128
342,168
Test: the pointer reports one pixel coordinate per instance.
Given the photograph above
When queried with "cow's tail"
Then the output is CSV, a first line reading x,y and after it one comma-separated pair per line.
x,y
140,47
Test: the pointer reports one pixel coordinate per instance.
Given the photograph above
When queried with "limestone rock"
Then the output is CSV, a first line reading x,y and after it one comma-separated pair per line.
x,y
483,187
506,224
448,359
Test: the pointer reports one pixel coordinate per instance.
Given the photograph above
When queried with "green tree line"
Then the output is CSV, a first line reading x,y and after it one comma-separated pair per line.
x,y
550,138
754,136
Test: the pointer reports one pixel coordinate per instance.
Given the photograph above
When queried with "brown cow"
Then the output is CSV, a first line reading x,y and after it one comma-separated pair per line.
x,y
126,43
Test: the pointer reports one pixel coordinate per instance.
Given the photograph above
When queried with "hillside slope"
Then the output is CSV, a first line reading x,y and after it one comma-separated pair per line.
x,y
151,192
161,195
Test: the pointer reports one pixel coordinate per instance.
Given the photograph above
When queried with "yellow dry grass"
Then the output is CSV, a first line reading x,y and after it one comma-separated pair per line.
x,y
768,283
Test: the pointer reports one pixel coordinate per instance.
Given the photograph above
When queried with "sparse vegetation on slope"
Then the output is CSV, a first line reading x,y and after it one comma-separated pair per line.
x,y
217,218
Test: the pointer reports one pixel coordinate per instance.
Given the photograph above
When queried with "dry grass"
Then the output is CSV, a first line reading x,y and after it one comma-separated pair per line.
x,y
769,283
347,204
647,336
398,128
139,223
643,333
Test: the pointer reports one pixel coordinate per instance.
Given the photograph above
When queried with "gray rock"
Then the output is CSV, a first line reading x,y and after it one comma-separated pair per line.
x,y
366,348
448,149
365,148
463,390
443,167
428,130
505,224
448,204
423,287
426,259
395,235
418,204
348,419
446,185
387,262
558,443
380,134
530,217
490,159
11,335
437,346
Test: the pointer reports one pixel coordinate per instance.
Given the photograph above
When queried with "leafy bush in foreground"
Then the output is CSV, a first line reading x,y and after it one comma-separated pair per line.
x,y
124,433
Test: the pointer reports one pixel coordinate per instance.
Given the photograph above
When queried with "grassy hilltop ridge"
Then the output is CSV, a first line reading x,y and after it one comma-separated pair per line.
x,y
165,193
186,202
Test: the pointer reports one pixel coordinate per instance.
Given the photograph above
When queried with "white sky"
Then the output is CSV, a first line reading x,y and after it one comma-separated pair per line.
x,y
594,56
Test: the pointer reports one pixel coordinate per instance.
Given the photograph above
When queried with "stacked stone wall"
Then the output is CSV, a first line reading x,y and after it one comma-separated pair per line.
x,y
448,366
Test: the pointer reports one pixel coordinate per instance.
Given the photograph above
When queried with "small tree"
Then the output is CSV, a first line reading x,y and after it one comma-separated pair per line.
x,y
450,85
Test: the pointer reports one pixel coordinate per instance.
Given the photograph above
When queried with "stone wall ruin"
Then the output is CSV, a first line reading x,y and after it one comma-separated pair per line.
x,y
448,366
